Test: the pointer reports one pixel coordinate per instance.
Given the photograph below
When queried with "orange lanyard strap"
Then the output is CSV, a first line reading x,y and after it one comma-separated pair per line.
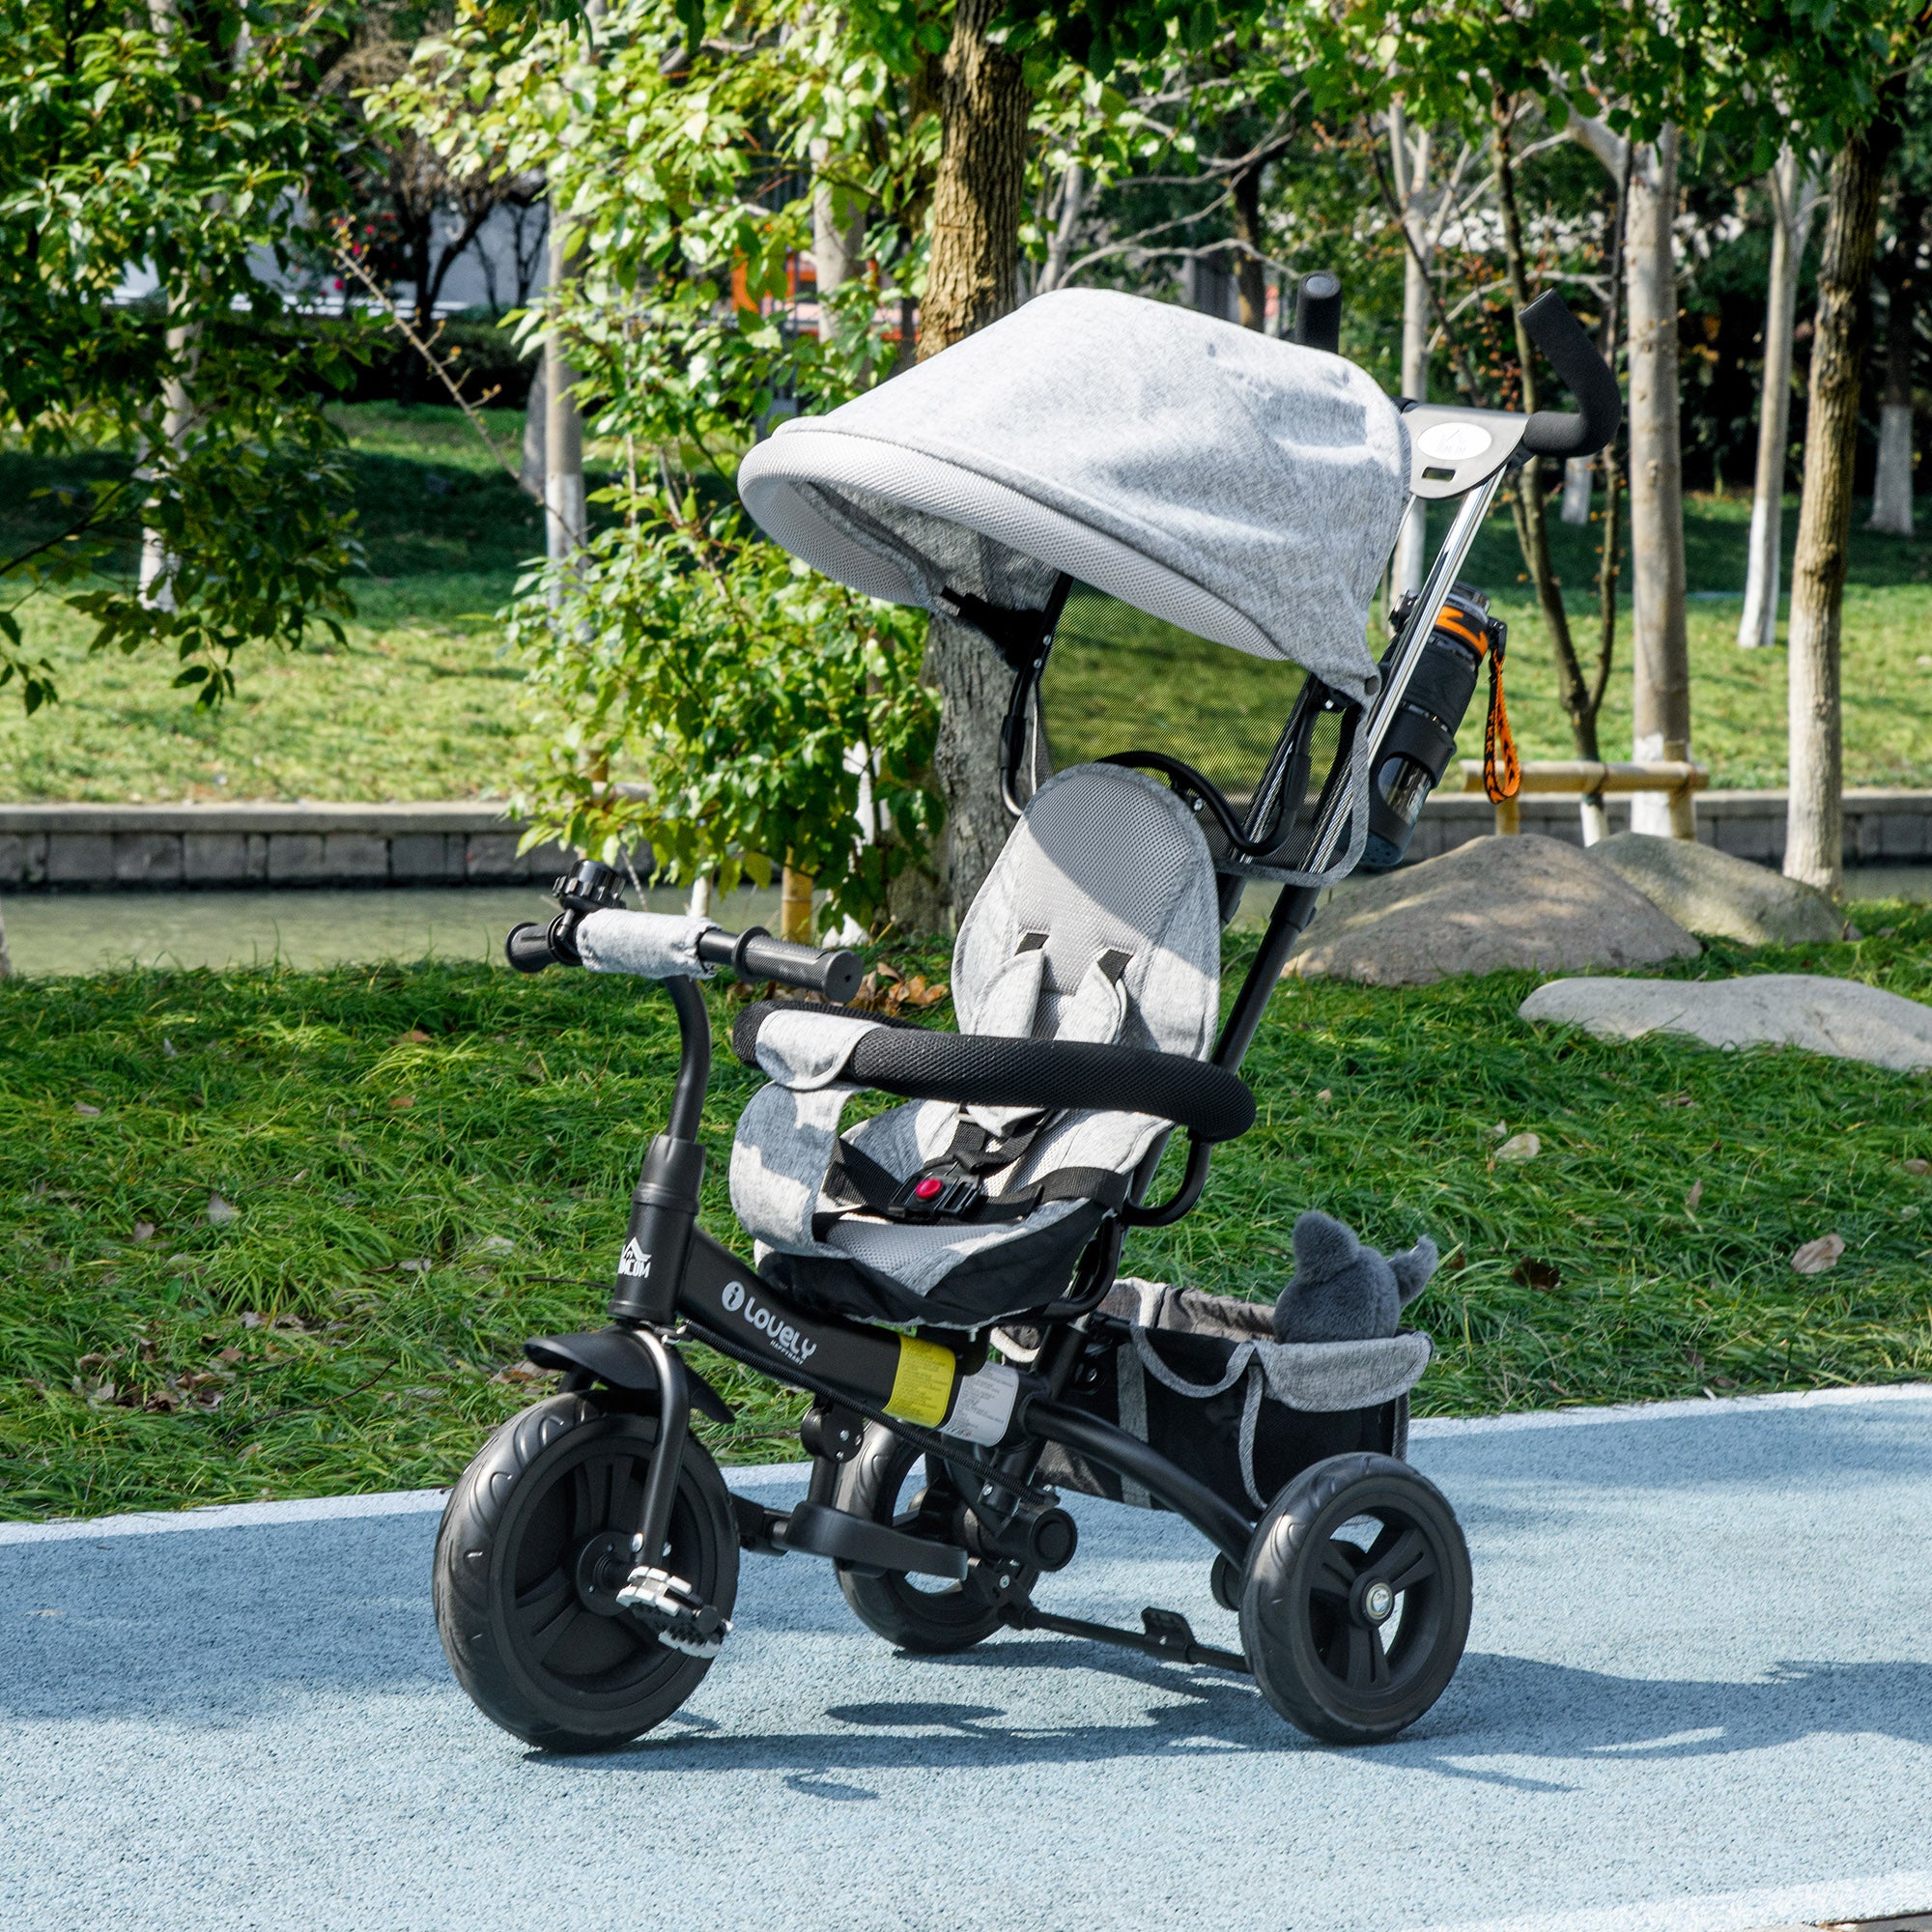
x,y
1502,773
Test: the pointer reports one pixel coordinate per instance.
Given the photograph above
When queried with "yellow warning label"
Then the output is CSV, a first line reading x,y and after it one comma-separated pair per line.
x,y
923,1382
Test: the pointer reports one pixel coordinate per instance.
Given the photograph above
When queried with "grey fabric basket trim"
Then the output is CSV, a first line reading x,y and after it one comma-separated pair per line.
x,y
1318,1377
654,945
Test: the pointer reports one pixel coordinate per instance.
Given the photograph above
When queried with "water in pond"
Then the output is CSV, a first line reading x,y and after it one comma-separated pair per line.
x,y
92,932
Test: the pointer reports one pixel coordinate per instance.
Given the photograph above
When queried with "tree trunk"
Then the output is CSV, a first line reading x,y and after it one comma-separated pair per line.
x,y
1891,496
1814,835
1060,250
177,405
1579,481
1794,200
564,513
795,925
533,472
1250,270
971,282
838,234
1661,668
1411,155
978,197
1532,531
177,421
566,518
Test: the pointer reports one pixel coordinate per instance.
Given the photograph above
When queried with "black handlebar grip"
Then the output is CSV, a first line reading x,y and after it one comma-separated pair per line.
x,y
1318,311
757,955
1591,380
527,948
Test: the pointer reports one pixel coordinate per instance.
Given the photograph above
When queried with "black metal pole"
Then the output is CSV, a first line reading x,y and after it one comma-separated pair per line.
x,y
1219,1521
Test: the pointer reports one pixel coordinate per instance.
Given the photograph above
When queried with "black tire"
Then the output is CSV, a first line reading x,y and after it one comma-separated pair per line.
x,y
1328,1652
926,1614
534,1546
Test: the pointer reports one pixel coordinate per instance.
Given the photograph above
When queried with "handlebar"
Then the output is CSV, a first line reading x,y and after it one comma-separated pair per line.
x,y
531,948
1550,325
833,972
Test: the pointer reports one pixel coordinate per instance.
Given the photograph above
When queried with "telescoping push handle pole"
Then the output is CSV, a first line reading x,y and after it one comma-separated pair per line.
x,y
1562,338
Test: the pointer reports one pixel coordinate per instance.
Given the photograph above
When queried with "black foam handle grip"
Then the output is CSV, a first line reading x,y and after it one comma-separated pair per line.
x,y
1318,311
1591,380
528,949
834,972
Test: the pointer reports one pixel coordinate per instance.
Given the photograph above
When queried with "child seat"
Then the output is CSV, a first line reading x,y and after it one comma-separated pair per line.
x,y
1098,924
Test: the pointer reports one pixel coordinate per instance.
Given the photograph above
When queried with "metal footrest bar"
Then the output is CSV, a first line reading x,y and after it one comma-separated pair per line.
x,y
1168,1634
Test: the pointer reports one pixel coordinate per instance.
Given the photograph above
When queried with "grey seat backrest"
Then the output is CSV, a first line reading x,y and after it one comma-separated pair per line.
x,y
1099,921
1107,865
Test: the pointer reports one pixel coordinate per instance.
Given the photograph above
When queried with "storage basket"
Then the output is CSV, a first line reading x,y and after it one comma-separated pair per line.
x,y
1202,1379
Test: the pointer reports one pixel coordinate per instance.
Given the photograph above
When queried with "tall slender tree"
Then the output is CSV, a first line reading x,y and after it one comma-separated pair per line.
x,y
1795,190
1814,832
1892,490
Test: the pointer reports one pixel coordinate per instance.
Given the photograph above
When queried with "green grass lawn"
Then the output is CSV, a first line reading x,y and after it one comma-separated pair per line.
x,y
421,701
429,1163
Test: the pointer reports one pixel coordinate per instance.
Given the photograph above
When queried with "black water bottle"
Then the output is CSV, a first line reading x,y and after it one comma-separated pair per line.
x,y
1422,739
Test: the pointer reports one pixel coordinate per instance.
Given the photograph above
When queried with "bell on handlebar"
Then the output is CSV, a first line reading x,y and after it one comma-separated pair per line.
x,y
1422,739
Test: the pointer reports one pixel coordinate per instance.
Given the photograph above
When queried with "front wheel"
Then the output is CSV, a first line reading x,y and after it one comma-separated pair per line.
x,y
533,1548
882,1484
1356,1606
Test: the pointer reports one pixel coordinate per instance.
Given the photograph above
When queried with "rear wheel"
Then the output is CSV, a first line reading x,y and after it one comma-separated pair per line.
x,y
1355,1604
889,1480
533,1548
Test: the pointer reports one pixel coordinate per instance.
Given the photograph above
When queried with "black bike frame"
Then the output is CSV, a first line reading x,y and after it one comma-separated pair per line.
x,y
675,1277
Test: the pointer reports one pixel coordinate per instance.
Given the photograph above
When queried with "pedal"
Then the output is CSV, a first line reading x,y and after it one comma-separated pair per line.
x,y
1171,1631
674,1612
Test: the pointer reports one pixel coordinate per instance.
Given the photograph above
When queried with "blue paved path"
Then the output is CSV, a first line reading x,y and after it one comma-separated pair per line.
x,y
1699,1694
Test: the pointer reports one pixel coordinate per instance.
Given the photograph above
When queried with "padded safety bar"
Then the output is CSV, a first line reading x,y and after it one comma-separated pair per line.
x,y
991,1071
1550,325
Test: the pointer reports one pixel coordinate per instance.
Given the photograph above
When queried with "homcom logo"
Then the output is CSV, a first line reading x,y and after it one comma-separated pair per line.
x,y
738,1300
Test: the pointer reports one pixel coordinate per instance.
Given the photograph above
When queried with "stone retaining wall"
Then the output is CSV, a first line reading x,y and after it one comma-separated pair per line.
x,y
101,847
1882,827
97,847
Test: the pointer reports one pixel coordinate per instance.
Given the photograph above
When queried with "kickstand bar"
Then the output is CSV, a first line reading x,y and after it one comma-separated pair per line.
x,y
1168,1634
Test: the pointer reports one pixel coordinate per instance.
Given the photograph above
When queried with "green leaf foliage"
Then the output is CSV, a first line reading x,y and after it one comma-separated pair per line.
x,y
177,145
693,687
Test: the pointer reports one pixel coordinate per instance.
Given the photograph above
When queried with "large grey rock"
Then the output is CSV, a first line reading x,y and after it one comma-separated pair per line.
x,y
1840,1018
1710,892
1492,905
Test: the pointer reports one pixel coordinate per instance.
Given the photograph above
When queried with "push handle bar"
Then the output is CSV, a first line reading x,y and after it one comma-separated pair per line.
x,y
1318,311
1574,356
834,972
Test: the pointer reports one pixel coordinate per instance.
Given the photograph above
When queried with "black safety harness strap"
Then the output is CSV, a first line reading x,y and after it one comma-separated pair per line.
x,y
952,1189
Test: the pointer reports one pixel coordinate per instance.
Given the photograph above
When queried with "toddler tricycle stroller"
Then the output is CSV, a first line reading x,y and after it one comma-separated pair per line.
x,y
941,1278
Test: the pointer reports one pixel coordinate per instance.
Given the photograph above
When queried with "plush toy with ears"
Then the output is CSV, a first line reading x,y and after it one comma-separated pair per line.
x,y
1342,1292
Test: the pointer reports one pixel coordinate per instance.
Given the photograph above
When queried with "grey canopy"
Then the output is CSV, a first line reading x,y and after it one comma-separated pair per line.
x,y
1244,489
